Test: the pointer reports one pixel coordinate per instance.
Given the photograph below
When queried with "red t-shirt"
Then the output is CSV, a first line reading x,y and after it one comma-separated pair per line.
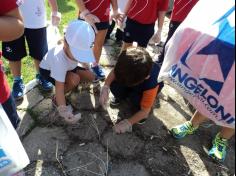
x,y
5,90
5,6
146,11
8,5
100,8
181,9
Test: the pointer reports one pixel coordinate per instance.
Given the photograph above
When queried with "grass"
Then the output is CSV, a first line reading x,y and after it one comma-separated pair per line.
x,y
69,12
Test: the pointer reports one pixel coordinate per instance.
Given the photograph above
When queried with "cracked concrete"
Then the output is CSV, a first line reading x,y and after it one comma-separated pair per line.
x,y
91,148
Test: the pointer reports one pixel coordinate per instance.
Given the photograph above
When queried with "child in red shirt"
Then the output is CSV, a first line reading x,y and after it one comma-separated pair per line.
x,y
180,12
11,28
97,13
141,18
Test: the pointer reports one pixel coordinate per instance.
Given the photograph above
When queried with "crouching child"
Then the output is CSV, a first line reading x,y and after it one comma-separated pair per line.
x,y
61,65
134,77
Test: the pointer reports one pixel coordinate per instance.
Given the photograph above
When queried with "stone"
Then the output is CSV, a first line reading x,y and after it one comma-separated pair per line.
x,y
41,168
90,127
128,169
124,145
45,143
44,108
86,160
84,100
26,124
161,161
152,128
31,99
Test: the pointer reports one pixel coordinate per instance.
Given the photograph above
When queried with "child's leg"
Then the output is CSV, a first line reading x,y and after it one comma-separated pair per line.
x,y
111,27
72,81
227,133
86,75
188,127
99,41
220,144
10,109
14,51
198,119
38,47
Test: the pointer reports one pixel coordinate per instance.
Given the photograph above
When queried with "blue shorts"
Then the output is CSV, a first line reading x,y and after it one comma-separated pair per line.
x,y
136,32
37,43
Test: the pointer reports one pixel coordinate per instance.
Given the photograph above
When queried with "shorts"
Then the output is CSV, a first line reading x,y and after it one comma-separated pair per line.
x,y
136,32
102,26
37,43
46,74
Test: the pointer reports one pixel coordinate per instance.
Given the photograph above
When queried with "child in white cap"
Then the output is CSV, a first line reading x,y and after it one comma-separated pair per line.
x,y
61,64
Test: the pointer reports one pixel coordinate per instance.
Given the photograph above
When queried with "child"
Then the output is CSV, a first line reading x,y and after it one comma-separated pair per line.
x,y
220,143
134,76
141,18
11,28
96,13
60,66
34,17
180,11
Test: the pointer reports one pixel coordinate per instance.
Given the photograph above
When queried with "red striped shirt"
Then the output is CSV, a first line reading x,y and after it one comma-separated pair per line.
x,y
146,11
100,8
7,5
182,9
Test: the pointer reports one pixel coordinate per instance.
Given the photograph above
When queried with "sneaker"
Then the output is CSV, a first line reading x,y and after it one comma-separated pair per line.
x,y
218,151
18,89
45,85
99,72
183,130
115,101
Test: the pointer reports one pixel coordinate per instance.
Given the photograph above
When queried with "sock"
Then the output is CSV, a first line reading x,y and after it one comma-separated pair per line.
x,y
17,78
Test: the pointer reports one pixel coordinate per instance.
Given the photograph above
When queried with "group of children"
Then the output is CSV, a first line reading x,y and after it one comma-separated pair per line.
x,y
134,76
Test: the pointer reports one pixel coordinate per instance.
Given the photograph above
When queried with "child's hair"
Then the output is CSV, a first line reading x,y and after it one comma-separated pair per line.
x,y
133,67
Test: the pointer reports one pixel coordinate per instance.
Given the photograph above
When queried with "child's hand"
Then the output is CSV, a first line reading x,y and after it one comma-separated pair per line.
x,y
104,96
123,127
56,18
157,37
116,15
90,18
66,113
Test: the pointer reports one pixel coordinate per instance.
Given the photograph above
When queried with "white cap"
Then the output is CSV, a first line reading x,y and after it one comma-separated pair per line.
x,y
80,36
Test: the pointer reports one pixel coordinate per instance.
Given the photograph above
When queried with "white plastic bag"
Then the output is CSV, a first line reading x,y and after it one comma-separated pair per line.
x,y
200,60
13,157
53,36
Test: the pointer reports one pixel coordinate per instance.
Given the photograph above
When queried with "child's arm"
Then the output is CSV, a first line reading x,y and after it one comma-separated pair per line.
x,y
60,94
146,104
56,15
80,4
114,5
161,19
86,15
140,115
11,26
104,94
127,7
111,77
